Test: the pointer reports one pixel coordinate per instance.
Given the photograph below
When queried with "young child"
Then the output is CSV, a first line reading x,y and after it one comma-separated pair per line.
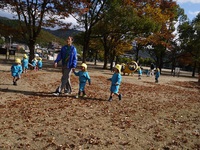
x,y
25,63
83,78
16,70
34,64
39,63
157,74
115,83
139,73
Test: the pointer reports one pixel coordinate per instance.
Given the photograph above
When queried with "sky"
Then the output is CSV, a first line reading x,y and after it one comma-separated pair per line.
x,y
191,8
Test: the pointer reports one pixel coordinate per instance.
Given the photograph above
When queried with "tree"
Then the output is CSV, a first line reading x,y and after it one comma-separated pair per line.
x,y
88,20
119,26
166,14
33,15
189,35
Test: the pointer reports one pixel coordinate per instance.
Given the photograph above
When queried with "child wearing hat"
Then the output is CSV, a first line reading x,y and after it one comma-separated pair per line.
x,y
16,70
39,63
34,64
83,78
25,63
139,73
115,83
157,74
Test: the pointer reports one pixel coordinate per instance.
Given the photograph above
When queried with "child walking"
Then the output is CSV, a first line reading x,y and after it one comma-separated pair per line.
x,y
39,63
157,74
16,71
34,64
139,73
115,83
25,63
83,78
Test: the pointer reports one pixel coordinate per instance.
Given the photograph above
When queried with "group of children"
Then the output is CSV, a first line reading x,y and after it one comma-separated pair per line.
x,y
21,66
84,77
156,72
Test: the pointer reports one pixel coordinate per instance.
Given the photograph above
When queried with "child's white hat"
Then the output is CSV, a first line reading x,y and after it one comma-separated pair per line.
x,y
118,67
84,65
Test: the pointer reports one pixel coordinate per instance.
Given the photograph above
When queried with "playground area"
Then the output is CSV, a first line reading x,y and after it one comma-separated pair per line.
x,y
163,115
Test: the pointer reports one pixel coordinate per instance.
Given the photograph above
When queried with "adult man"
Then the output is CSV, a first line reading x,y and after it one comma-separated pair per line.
x,y
68,55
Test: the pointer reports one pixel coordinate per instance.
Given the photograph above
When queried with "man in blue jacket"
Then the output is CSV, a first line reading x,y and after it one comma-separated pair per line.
x,y
68,55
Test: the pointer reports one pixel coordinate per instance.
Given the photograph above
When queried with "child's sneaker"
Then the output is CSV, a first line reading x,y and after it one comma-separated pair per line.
x,y
77,96
14,83
110,99
84,95
120,96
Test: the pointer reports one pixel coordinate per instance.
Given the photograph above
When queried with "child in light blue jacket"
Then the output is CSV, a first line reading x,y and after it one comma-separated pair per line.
x,y
139,72
157,74
25,63
39,63
83,78
16,71
115,83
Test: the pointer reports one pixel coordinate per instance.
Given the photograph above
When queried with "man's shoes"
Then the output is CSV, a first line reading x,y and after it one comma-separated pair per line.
x,y
120,96
56,93
68,93
77,96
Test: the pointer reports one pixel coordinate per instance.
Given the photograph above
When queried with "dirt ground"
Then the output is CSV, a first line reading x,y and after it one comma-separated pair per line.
x,y
150,116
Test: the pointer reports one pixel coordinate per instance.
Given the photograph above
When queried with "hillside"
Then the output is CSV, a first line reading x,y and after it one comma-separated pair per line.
x,y
9,27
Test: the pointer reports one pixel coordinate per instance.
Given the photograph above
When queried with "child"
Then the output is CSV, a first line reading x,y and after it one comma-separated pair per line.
x,y
83,77
16,70
139,73
34,64
39,63
157,74
25,63
115,83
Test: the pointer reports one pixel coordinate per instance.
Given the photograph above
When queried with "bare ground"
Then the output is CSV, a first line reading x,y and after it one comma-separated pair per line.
x,y
150,116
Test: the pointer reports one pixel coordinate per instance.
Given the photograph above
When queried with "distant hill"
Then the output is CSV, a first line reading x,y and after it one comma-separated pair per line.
x,y
7,25
63,33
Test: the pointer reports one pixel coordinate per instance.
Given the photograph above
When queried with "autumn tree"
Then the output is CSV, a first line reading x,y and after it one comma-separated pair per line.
x,y
164,13
33,15
119,27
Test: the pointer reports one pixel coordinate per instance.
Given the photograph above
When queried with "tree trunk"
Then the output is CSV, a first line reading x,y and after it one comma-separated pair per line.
x,y
194,69
32,50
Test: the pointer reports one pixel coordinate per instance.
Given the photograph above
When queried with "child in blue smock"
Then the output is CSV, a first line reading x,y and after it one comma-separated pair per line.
x,y
16,71
115,83
25,63
157,74
83,78
139,72
39,63
34,64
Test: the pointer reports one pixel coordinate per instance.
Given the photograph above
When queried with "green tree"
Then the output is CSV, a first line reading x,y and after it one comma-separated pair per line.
x,y
88,20
189,35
